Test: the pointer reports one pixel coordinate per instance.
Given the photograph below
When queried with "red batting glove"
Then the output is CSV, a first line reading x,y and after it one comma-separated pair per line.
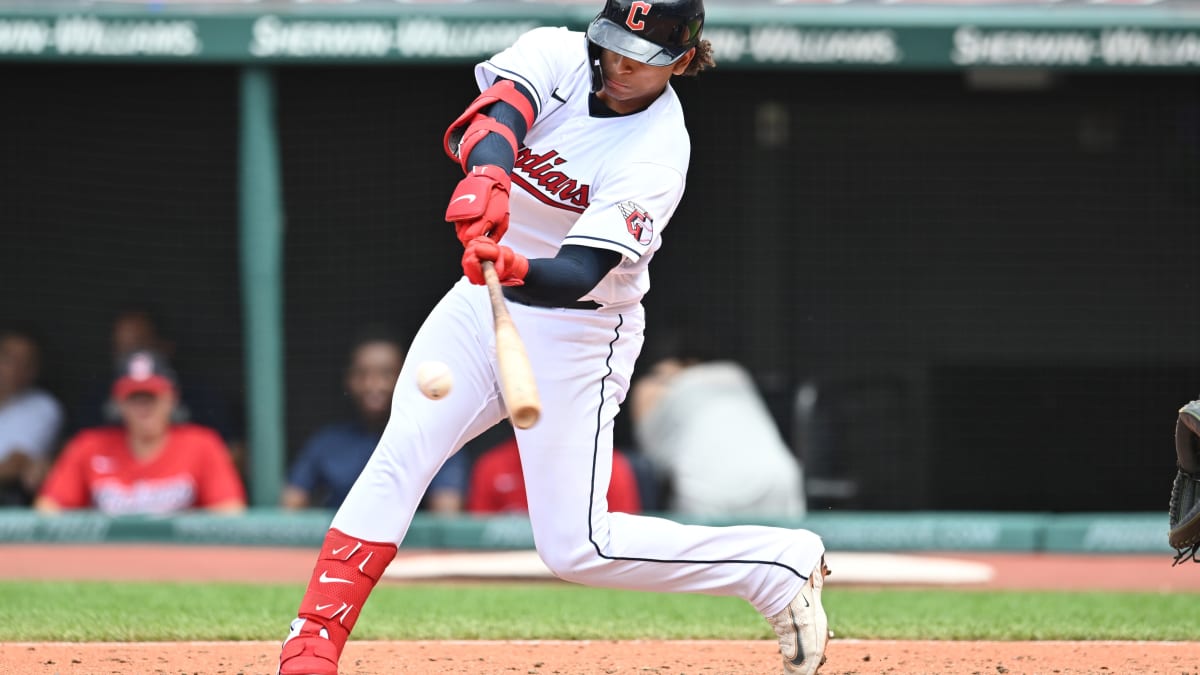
x,y
511,267
479,206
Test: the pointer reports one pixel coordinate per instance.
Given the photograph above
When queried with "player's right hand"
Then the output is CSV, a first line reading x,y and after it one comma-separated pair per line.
x,y
511,267
479,205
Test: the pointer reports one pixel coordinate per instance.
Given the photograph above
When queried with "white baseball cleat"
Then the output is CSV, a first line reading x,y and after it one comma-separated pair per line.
x,y
803,628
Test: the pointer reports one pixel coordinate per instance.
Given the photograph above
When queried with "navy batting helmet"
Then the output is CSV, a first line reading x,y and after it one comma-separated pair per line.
x,y
655,32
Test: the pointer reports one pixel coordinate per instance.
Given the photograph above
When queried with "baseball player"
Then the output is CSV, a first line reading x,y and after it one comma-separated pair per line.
x,y
575,155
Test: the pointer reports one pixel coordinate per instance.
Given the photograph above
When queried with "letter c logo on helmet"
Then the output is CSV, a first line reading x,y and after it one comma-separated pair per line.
x,y
639,7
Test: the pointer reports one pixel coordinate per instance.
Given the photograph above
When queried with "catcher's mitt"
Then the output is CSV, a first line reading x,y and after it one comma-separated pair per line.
x,y
1184,536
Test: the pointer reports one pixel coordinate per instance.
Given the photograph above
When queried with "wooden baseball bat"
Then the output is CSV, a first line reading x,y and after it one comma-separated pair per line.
x,y
516,375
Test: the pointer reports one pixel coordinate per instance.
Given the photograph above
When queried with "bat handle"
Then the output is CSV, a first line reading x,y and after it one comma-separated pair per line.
x,y
495,291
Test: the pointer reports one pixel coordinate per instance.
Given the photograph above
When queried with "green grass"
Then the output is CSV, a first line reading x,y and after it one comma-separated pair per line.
x,y
37,611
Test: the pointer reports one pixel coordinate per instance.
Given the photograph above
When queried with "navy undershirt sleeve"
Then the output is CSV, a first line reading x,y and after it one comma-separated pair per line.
x,y
563,279
494,148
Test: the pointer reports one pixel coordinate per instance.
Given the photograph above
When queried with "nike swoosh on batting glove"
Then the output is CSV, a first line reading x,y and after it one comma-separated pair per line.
x,y
479,205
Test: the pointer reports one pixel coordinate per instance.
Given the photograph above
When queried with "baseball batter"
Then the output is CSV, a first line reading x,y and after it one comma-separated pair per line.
x,y
579,140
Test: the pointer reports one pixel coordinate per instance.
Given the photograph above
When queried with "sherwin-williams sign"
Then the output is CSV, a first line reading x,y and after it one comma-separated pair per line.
x,y
1107,34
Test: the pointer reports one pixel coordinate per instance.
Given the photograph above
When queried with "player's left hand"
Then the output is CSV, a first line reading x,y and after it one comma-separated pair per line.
x,y
479,205
511,267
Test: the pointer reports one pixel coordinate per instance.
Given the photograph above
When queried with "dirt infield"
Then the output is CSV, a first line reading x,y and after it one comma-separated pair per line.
x,y
846,657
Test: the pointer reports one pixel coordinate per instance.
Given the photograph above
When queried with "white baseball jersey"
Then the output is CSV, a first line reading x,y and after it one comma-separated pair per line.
x,y
604,182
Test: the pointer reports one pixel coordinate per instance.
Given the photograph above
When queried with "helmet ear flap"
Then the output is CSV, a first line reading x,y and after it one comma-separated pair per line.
x,y
597,72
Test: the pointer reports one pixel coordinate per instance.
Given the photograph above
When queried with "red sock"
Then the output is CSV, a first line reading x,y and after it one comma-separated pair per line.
x,y
346,571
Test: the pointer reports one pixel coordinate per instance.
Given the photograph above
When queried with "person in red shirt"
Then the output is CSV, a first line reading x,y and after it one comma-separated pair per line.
x,y
498,485
148,465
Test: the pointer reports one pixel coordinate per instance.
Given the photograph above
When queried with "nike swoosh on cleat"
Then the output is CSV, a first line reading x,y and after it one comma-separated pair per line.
x,y
326,579
798,659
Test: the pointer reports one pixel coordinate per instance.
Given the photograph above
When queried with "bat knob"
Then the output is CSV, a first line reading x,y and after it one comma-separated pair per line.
x,y
524,418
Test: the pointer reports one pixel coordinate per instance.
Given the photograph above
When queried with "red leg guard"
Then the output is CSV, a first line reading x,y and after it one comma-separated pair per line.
x,y
346,571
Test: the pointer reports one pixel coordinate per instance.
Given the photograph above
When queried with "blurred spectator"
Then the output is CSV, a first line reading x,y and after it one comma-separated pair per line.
x,y
149,465
138,328
709,432
331,460
30,419
498,484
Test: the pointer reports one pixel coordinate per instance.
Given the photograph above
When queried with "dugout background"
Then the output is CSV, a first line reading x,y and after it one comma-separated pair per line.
x,y
954,297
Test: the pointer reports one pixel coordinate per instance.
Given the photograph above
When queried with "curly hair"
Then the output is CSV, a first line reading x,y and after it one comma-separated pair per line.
x,y
703,59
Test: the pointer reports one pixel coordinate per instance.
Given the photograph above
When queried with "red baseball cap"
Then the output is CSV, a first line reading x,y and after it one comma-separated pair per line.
x,y
143,372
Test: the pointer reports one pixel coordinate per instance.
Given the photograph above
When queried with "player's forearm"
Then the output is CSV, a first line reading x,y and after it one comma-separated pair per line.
x,y
494,149
565,278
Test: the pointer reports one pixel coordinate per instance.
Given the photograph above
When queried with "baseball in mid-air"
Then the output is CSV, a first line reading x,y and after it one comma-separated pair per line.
x,y
434,379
